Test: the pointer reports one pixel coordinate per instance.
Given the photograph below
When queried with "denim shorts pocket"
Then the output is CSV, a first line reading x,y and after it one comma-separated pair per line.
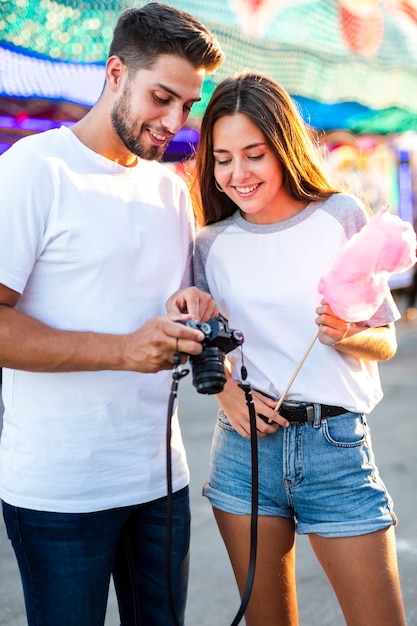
x,y
223,422
345,431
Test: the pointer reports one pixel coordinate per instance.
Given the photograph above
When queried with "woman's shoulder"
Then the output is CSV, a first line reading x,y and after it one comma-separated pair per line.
x,y
211,231
343,201
347,209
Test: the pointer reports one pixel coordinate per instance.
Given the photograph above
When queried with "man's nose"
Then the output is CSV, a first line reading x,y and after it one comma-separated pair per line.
x,y
174,118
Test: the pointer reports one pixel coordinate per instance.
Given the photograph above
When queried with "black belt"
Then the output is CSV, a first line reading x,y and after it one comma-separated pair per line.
x,y
302,413
305,413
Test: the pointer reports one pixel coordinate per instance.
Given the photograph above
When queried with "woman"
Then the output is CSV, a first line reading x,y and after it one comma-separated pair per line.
x,y
272,226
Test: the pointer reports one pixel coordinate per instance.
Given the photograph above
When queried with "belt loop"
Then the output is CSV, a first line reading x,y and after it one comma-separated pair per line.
x,y
317,415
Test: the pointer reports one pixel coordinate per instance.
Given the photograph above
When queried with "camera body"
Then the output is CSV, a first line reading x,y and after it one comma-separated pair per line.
x,y
208,372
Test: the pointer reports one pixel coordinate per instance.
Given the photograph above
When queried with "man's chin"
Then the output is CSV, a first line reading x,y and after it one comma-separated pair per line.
x,y
154,153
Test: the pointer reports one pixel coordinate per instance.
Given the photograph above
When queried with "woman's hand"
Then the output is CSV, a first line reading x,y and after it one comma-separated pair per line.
x,y
332,329
198,304
370,343
233,402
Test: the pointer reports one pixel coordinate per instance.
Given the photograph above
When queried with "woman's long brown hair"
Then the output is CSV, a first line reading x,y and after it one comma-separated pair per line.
x,y
271,108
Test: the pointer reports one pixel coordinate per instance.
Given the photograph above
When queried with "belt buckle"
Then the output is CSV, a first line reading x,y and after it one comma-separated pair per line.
x,y
310,413
291,405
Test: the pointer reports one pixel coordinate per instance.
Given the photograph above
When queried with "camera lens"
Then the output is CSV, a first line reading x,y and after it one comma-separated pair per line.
x,y
208,370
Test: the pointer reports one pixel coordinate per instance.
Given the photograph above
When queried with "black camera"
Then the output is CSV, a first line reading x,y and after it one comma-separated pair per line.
x,y
208,367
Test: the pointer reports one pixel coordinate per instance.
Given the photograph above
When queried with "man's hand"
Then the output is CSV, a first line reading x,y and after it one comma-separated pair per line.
x,y
151,348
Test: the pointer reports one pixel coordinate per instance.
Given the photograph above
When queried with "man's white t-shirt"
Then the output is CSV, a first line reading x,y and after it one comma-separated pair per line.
x,y
91,246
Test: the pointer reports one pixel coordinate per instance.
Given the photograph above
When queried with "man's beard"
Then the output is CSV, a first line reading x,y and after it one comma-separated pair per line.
x,y
122,126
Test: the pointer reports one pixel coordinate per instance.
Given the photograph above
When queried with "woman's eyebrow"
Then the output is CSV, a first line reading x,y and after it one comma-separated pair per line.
x,y
249,147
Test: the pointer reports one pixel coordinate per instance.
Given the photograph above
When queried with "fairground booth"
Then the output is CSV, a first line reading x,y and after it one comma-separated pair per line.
x,y
351,66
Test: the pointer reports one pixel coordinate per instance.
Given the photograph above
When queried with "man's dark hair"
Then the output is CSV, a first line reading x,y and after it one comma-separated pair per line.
x,y
142,34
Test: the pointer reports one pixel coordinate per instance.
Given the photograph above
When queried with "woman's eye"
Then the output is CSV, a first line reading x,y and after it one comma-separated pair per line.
x,y
256,158
224,162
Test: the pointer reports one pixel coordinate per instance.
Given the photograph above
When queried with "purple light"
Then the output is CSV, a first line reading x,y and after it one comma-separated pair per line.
x,y
31,123
182,142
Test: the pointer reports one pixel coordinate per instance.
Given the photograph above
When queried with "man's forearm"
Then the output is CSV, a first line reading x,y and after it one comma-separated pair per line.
x,y
28,344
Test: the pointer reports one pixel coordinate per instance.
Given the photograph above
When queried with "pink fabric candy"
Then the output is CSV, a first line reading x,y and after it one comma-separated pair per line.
x,y
358,281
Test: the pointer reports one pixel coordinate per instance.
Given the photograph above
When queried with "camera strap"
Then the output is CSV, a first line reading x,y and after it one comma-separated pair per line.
x,y
254,505
177,374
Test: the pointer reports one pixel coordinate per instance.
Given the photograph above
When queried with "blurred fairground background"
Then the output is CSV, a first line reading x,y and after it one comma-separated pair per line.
x,y
350,65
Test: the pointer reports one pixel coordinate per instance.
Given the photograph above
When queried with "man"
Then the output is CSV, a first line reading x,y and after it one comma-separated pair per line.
x,y
95,237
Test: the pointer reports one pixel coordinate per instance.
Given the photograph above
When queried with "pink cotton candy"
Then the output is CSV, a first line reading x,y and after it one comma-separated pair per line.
x,y
358,281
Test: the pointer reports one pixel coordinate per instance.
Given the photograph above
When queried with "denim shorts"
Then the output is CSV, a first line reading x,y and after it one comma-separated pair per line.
x,y
322,474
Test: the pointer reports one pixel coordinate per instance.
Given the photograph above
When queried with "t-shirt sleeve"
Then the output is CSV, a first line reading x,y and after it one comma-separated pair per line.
x,y
202,248
27,195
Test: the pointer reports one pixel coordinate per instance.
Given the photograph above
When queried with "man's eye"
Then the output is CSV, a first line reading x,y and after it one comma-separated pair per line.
x,y
161,100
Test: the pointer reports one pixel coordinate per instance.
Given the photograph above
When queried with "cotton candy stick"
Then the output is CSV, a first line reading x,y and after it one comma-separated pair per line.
x,y
299,366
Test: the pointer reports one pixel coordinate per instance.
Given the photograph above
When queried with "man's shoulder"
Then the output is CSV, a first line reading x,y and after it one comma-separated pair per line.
x,y
48,142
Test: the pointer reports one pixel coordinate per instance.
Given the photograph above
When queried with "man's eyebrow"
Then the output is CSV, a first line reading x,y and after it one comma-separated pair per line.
x,y
174,93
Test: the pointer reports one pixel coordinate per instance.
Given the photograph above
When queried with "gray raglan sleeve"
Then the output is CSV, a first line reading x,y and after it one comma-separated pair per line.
x,y
203,244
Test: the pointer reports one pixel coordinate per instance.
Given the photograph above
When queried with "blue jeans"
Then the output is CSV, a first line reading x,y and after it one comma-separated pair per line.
x,y
66,560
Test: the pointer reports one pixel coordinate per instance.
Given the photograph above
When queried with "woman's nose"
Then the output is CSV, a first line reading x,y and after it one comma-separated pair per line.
x,y
240,170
